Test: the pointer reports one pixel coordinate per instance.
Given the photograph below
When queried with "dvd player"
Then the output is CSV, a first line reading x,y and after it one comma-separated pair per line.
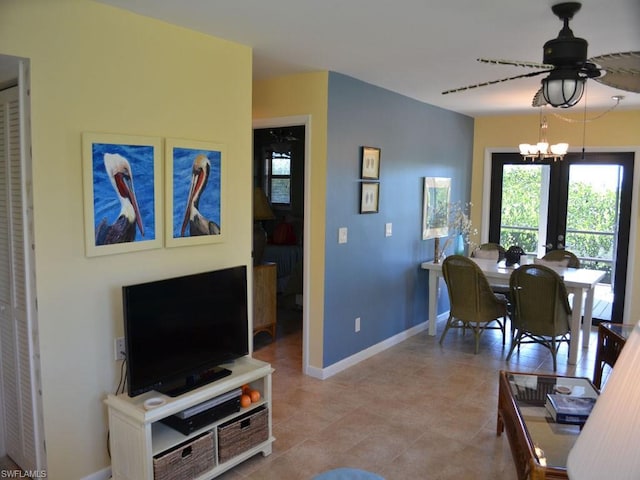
x,y
203,414
201,407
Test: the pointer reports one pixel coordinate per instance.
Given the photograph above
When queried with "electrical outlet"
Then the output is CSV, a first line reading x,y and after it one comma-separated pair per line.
x,y
357,324
119,348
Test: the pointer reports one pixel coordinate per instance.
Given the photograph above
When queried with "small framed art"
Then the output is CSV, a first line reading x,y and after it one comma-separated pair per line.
x,y
370,163
369,197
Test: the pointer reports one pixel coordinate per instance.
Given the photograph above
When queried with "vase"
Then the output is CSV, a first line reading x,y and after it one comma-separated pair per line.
x,y
458,245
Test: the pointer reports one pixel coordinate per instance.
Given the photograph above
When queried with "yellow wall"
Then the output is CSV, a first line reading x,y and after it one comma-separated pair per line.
x,y
100,69
306,94
620,128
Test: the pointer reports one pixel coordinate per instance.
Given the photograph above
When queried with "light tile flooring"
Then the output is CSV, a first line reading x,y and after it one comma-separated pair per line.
x,y
415,411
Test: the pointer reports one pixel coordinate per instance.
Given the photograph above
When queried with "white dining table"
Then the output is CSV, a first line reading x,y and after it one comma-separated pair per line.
x,y
580,282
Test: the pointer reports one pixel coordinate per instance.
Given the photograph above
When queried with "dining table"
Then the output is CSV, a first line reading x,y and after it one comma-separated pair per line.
x,y
580,282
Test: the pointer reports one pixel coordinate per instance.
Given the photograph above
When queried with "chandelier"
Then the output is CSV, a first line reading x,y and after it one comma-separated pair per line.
x,y
542,150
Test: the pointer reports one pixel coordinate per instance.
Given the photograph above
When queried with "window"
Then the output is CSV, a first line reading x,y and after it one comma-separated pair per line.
x,y
279,178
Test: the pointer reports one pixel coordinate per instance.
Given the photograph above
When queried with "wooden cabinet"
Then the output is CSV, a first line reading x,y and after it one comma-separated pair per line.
x,y
264,298
137,434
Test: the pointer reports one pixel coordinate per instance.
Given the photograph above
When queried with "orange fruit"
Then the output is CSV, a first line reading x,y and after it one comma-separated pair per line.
x,y
245,400
246,388
254,395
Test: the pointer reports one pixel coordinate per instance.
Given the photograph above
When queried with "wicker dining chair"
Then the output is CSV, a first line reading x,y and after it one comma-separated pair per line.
x,y
472,302
489,250
540,308
572,260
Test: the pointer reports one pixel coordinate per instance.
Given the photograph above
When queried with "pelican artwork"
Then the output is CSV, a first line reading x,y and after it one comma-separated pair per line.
x,y
198,225
124,228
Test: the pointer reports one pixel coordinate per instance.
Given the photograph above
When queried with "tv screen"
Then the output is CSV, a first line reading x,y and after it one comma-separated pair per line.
x,y
179,330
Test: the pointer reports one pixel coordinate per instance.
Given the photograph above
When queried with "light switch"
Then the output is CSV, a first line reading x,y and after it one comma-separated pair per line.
x,y
387,229
342,235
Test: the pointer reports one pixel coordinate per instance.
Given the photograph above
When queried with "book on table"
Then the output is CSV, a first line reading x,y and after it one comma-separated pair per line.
x,y
568,408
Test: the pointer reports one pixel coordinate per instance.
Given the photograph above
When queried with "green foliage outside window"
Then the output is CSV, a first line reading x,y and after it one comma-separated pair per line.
x,y
591,217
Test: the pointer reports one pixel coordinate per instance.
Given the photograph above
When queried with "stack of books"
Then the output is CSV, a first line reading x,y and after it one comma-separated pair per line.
x,y
569,409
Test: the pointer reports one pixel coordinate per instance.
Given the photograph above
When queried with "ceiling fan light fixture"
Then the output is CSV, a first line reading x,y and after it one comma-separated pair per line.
x,y
563,88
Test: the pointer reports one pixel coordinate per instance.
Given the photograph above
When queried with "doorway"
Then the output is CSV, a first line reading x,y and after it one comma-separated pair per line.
x,y
281,170
21,421
581,204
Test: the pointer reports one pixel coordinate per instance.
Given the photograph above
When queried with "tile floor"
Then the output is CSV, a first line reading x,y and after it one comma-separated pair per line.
x,y
415,411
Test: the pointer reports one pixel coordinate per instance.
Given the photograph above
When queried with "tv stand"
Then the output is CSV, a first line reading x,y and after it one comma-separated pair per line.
x,y
196,381
140,442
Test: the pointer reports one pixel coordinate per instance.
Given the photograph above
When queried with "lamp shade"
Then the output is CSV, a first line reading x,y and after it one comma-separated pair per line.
x,y
607,447
261,208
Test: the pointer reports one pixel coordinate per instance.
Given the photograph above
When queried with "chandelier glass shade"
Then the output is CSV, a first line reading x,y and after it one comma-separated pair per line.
x,y
542,149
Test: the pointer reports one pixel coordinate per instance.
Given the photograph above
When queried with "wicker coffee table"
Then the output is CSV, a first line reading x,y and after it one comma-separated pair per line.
x,y
539,445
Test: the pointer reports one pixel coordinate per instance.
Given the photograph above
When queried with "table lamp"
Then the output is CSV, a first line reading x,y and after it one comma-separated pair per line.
x,y
607,446
261,211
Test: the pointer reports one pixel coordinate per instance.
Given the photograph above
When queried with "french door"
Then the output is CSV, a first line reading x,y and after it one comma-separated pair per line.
x,y
582,204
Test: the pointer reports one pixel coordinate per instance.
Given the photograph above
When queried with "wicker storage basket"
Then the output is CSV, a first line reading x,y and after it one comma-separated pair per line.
x,y
242,433
185,461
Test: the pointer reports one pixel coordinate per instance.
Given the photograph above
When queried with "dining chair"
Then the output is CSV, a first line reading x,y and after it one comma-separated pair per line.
x,y
489,250
493,251
572,260
540,309
472,302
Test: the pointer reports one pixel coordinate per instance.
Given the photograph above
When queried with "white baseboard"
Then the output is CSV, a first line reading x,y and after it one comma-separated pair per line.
x,y
324,373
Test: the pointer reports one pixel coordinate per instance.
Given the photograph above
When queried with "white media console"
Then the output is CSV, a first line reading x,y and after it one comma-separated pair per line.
x,y
139,440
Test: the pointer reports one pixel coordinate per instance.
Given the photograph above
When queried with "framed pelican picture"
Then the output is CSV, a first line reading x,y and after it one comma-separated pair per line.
x,y
194,192
122,181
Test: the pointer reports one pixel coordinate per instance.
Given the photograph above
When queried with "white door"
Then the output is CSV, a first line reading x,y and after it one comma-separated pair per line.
x,y
21,418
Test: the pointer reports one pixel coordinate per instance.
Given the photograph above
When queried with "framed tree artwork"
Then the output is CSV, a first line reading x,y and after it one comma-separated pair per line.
x,y
435,207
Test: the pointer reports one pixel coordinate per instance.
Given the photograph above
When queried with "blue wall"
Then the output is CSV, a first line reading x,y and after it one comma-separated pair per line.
x,y
374,277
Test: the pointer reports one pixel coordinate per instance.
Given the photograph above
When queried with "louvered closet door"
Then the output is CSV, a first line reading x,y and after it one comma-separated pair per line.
x,y
17,403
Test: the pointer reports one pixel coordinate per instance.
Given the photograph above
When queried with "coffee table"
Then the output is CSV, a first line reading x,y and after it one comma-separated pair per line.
x,y
539,446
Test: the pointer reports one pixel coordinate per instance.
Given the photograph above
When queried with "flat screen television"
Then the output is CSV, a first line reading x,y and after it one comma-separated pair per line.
x,y
178,331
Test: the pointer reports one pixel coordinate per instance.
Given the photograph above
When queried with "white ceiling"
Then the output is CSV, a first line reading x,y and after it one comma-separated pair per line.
x,y
417,48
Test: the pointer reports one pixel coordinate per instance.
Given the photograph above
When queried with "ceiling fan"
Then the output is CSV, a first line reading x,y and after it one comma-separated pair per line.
x,y
565,60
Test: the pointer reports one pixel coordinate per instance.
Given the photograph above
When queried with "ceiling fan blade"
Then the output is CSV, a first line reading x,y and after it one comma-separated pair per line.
x,y
515,63
622,70
538,99
492,82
